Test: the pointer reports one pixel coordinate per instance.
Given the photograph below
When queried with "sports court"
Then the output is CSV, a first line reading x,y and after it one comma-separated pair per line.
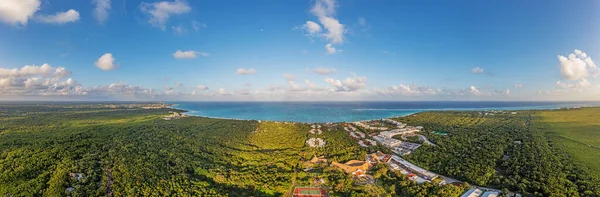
x,y
303,191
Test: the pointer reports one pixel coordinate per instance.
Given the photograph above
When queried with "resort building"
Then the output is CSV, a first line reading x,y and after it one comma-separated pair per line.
x,y
316,142
353,166
472,193
371,142
390,142
414,168
490,194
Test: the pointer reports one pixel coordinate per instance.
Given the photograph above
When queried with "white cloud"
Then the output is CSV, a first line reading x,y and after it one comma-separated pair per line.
x,y
106,62
312,86
325,11
474,91
18,11
408,90
36,81
295,87
29,71
288,77
188,54
241,71
518,85
580,85
477,70
201,87
577,66
62,72
178,84
329,49
60,17
312,28
222,91
507,92
101,10
348,84
161,11
324,71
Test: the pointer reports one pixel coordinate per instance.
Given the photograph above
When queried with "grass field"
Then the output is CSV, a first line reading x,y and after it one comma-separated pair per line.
x,y
577,132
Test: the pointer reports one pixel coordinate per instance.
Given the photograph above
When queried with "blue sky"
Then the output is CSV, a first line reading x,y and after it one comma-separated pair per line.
x,y
298,50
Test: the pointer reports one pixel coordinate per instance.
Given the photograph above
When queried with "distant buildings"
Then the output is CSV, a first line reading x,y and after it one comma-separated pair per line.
x,y
175,115
316,142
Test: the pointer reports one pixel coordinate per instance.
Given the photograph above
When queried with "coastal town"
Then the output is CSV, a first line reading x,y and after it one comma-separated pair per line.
x,y
392,135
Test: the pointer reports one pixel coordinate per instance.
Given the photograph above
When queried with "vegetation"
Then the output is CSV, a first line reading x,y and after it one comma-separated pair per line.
x,y
121,151
502,150
101,150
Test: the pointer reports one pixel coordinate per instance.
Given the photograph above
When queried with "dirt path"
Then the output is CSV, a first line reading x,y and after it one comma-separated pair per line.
x,y
109,182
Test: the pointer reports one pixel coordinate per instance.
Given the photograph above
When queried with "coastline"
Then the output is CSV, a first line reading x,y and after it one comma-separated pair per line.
x,y
190,112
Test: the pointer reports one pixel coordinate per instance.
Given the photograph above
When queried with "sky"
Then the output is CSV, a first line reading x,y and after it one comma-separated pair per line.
x,y
301,50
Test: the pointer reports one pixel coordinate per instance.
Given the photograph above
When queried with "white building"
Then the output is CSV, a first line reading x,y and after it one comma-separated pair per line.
x,y
472,193
390,142
490,194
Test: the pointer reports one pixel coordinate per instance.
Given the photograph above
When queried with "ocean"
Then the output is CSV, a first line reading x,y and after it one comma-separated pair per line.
x,y
350,111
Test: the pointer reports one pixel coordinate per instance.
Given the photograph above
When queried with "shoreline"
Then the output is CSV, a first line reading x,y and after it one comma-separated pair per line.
x,y
532,108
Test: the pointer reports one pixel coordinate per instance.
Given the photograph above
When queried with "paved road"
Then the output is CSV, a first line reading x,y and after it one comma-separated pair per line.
x,y
423,138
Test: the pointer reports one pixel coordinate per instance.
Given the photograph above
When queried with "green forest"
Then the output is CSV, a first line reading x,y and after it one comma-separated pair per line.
x,y
95,150
100,150
514,152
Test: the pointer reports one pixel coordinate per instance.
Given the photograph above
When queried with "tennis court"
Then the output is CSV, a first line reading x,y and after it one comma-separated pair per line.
x,y
310,192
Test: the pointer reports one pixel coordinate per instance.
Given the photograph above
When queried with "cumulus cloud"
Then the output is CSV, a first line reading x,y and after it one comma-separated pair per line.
x,y
189,54
161,11
577,65
312,28
101,10
18,11
28,71
477,70
106,62
408,90
329,29
349,84
60,17
474,91
241,71
201,87
222,91
324,71
324,10
330,49
37,81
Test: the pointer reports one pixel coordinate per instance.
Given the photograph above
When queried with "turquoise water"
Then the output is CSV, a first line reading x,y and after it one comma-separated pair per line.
x,y
349,111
